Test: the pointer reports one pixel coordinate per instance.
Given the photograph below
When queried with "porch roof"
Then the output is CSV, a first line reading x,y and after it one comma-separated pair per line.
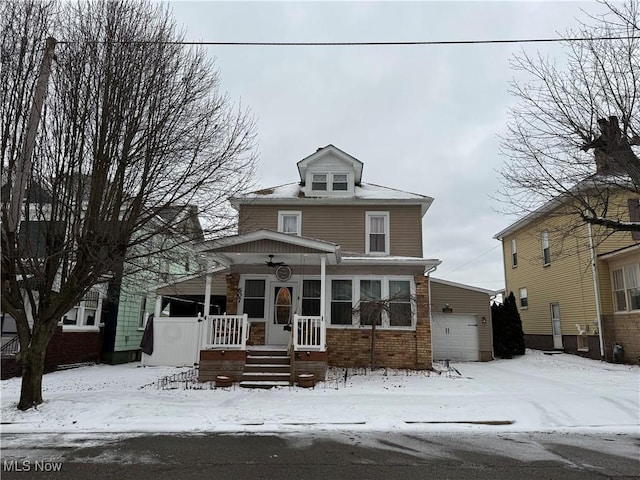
x,y
195,284
256,246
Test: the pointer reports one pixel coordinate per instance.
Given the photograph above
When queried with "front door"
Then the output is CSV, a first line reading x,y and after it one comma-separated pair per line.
x,y
282,306
556,326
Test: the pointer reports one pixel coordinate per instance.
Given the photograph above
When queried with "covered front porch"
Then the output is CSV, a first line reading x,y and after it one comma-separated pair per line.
x,y
280,281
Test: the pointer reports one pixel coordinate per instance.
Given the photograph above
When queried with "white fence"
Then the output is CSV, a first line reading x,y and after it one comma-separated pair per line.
x,y
175,342
309,333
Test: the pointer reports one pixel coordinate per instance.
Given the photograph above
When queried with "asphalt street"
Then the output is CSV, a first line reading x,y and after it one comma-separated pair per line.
x,y
323,455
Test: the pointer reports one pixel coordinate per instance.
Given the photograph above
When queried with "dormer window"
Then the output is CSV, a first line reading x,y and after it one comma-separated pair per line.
x,y
340,182
319,182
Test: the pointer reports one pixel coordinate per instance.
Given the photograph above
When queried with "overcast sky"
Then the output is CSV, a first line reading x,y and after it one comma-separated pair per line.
x,y
424,119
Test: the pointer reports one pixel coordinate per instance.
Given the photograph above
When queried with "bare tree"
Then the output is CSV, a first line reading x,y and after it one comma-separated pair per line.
x,y
573,136
134,130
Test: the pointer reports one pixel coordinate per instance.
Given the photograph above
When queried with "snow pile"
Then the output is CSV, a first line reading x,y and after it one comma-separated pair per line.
x,y
533,393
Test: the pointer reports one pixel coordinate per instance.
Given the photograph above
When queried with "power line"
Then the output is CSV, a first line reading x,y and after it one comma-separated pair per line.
x,y
359,44
472,260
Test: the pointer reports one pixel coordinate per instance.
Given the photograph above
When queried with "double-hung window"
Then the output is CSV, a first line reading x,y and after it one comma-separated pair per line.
x,y
290,222
319,182
370,305
524,298
399,303
311,297
546,252
86,313
339,182
377,232
341,302
514,253
254,298
626,287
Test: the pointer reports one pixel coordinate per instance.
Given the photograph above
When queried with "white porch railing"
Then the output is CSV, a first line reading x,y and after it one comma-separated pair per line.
x,y
309,333
225,332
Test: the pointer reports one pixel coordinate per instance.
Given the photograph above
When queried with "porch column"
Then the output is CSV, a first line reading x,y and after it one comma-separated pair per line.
x,y
323,271
207,294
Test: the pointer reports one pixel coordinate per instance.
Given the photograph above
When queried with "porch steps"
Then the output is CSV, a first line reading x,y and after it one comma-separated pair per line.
x,y
266,368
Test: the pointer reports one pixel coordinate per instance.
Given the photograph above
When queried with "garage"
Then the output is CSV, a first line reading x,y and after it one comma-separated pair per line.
x,y
455,337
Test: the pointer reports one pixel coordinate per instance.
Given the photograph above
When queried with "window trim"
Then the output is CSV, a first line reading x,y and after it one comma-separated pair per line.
x,y
546,248
264,297
290,213
333,181
525,298
355,300
326,182
514,253
626,288
387,233
80,314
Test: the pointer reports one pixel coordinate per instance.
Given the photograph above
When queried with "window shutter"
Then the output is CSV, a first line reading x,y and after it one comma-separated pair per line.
x,y
634,215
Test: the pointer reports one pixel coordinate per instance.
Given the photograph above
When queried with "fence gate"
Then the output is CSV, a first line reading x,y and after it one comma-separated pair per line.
x,y
176,342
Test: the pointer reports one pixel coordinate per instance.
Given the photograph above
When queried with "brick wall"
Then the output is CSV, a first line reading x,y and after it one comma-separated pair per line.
x,y
233,280
423,327
257,334
624,329
311,362
351,347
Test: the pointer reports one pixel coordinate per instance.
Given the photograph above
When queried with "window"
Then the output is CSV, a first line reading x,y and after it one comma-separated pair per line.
x,y
377,236
619,294
524,299
339,182
319,181
546,254
311,297
143,312
514,254
370,296
290,222
400,303
254,298
86,313
341,302
632,284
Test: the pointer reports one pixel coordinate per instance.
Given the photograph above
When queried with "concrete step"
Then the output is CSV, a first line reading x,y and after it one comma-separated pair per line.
x,y
265,377
263,384
266,367
266,359
268,352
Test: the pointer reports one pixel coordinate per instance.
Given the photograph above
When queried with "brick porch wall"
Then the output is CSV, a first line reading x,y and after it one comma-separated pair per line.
x,y
233,280
257,334
624,329
351,347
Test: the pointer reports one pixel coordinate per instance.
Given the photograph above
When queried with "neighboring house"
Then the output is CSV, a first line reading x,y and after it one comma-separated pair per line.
x,y
107,324
310,260
579,293
461,327
127,303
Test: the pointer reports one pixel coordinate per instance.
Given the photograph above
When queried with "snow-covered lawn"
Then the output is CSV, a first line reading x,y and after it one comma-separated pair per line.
x,y
536,392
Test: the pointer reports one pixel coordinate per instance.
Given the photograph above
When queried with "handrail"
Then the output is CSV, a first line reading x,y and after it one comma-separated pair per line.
x,y
12,347
225,332
309,333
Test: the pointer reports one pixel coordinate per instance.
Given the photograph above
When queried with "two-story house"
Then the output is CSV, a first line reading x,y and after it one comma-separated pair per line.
x,y
577,290
318,263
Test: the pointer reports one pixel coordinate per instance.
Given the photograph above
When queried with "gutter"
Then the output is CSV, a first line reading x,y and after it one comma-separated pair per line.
x,y
596,290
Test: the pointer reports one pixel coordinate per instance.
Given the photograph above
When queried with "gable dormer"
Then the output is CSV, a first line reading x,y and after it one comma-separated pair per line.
x,y
329,172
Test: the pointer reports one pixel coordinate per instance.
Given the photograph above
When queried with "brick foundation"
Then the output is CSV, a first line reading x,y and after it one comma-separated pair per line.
x,y
311,362
624,329
221,362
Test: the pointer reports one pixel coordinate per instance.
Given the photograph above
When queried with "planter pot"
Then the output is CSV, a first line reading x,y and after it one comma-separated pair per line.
x,y
306,380
223,381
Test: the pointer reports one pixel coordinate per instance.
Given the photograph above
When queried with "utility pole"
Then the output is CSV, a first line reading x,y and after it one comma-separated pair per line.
x,y
23,164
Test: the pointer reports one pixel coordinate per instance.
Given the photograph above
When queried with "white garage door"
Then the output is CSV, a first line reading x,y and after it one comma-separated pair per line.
x,y
455,337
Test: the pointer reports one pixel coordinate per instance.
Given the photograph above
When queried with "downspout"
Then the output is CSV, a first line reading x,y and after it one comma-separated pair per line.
x,y
596,290
428,275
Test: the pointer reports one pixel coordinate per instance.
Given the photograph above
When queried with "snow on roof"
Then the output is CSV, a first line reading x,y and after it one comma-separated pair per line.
x,y
464,286
364,191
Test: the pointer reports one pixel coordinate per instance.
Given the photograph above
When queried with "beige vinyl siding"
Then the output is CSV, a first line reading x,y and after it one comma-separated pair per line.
x,y
343,224
465,301
567,280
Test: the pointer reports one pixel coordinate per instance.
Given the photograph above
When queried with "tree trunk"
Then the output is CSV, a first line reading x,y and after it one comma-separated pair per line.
x,y
33,363
32,371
